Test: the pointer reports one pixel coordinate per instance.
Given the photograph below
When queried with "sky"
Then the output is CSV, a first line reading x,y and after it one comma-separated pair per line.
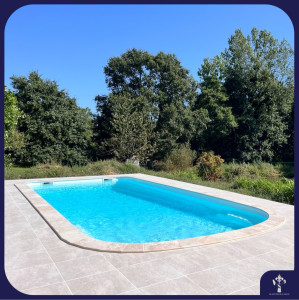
x,y
71,44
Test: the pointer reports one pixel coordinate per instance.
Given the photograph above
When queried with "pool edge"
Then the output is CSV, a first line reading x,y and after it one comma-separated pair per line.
x,y
68,233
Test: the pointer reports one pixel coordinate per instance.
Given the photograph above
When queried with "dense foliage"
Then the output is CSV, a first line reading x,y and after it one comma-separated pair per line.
x,y
178,159
168,93
214,99
209,166
13,139
130,128
55,128
242,108
259,80
281,191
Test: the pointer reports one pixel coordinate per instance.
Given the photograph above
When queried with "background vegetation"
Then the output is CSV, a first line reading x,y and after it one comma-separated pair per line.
x,y
241,111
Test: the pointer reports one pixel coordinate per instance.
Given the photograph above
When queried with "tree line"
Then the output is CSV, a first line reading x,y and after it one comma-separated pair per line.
x,y
242,108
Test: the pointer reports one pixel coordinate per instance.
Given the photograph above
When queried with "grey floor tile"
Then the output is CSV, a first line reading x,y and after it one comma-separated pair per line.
x,y
120,260
20,245
12,212
83,266
132,292
33,277
169,253
187,263
49,239
255,289
220,281
13,219
281,259
53,289
255,245
20,199
282,240
68,252
253,268
148,273
108,283
19,260
37,223
229,250
16,232
247,291
27,209
179,286
221,254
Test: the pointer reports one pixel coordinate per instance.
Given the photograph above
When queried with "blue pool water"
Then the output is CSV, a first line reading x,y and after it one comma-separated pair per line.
x,y
128,210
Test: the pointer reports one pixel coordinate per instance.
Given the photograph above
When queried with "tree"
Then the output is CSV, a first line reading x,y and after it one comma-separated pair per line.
x,y
169,90
131,128
55,128
130,72
213,98
259,82
175,95
102,127
13,139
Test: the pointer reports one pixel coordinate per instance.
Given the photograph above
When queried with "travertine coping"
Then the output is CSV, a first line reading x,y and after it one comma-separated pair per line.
x,y
67,232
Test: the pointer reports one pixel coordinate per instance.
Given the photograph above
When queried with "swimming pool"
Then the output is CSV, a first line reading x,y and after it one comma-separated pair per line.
x,y
131,210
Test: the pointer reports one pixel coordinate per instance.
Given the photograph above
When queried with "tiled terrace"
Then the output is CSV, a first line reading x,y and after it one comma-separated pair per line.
x,y
38,262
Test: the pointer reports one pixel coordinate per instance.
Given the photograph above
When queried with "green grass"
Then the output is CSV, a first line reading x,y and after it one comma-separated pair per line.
x,y
259,180
281,190
108,167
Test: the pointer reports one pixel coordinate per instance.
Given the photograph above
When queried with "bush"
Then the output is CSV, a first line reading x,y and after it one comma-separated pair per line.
x,y
128,168
281,191
209,166
259,170
179,159
286,169
157,165
187,174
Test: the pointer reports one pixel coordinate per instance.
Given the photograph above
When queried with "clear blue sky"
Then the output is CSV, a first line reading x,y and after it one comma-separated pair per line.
x,y
72,43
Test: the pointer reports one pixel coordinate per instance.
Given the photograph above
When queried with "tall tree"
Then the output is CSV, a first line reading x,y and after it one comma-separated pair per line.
x,y
214,99
132,130
102,127
175,96
13,139
56,129
169,89
259,82
130,72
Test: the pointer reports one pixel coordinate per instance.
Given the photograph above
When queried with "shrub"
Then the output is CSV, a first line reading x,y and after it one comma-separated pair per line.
x,y
286,169
209,166
281,191
187,174
128,168
179,159
259,170
158,165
